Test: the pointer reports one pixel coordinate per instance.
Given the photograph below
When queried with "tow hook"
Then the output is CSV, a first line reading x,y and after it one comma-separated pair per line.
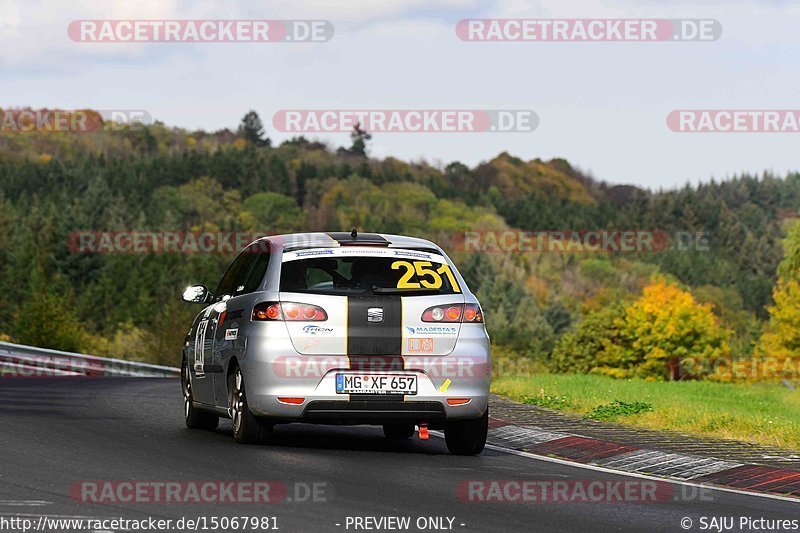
x,y
423,431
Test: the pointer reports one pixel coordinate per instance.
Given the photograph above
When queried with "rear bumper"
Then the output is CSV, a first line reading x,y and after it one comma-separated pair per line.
x,y
371,411
273,369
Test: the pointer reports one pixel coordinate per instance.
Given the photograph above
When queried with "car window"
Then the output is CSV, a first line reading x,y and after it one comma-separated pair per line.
x,y
255,274
246,272
234,277
355,274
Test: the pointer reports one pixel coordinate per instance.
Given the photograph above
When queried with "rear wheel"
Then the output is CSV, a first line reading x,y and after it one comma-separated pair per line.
x,y
467,437
247,429
398,431
195,418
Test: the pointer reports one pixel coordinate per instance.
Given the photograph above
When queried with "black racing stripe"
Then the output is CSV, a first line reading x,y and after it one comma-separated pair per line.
x,y
374,338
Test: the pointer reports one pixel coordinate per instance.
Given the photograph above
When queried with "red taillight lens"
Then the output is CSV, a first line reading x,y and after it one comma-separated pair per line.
x,y
292,312
470,314
267,311
453,313
303,312
289,311
473,313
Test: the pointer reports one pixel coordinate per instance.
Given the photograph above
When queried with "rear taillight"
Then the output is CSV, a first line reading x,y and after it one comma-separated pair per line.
x,y
453,313
289,311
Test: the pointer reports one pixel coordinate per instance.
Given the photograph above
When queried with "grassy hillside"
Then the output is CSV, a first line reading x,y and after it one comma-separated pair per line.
x,y
169,179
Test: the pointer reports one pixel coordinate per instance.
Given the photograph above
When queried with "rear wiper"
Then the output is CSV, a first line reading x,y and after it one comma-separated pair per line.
x,y
392,290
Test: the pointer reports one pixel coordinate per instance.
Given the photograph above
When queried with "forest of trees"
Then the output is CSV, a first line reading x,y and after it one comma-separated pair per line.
x,y
622,314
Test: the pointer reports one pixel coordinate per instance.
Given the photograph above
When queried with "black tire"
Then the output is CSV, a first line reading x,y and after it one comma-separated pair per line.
x,y
467,437
247,429
399,431
195,419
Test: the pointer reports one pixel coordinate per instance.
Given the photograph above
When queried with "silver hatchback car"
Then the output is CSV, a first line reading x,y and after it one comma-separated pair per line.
x,y
340,328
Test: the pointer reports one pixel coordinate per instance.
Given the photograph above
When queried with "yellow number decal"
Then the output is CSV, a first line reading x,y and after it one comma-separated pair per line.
x,y
445,269
405,280
423,269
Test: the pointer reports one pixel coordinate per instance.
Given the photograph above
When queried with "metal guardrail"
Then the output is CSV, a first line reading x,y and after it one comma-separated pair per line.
x,y
29,361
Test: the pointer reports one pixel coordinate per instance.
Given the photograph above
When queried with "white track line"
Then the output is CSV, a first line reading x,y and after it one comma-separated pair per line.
x,y
631,474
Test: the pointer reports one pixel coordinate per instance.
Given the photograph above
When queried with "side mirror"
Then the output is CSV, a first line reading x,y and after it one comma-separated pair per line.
x,y
197,294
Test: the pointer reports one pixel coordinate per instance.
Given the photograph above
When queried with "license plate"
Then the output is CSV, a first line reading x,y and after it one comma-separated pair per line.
x,y
376,384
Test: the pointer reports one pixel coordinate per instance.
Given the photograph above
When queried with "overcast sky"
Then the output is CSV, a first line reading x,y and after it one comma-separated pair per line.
x,y
602,106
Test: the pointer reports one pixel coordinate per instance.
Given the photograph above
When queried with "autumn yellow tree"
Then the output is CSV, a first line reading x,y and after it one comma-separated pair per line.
x,y
661,332
778,354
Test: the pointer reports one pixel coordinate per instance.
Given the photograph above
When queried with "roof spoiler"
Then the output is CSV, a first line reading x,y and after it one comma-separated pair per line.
x,y
358,239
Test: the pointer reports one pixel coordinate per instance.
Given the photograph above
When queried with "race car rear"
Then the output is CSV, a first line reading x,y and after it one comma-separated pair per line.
x,y
375,335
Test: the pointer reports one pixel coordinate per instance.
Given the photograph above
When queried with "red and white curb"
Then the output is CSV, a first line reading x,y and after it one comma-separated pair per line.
x,y
625,458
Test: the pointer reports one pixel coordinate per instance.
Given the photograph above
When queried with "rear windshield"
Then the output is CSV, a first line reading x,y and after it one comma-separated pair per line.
x,y
354,274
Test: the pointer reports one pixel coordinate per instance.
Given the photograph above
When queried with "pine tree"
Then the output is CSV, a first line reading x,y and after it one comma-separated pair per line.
x,y
252,130
359,138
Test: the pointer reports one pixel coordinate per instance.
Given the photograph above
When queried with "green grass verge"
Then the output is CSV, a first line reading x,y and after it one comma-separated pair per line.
x,y
766,413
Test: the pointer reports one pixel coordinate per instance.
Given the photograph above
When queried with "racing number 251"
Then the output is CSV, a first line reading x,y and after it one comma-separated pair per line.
x,y
426,276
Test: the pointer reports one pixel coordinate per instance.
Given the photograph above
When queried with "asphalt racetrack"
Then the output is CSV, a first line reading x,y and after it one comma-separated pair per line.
x,y
61,433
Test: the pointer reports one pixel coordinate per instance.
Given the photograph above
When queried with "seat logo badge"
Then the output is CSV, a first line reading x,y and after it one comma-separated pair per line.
x,y
375,314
